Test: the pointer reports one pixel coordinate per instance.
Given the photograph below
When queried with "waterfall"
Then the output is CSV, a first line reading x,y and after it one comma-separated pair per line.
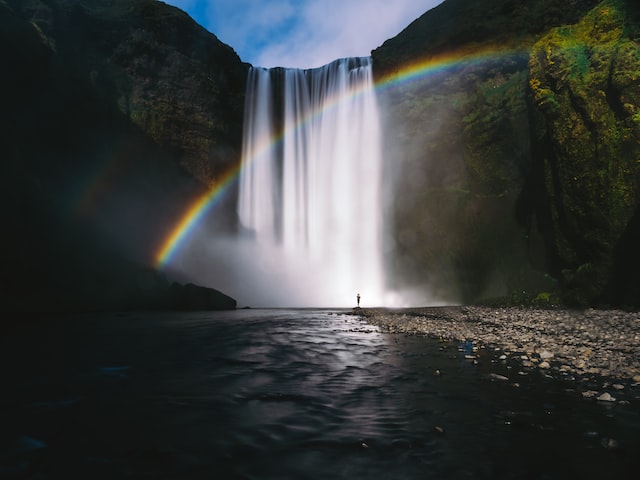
x,y
310,183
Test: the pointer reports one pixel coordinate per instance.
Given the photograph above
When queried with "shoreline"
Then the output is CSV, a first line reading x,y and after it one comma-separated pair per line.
x,y
600,349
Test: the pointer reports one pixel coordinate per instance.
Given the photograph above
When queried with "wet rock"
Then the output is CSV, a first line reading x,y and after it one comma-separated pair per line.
x,y
495,376
609,443
28,444
594,344
606,397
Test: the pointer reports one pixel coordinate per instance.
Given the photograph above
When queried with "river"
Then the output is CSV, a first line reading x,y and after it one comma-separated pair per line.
x,y
266,394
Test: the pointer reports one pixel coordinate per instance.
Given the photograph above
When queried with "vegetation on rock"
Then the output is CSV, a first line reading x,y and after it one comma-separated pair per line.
x,y
522,153
585,88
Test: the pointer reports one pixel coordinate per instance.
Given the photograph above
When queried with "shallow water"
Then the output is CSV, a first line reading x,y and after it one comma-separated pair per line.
x,y
286,394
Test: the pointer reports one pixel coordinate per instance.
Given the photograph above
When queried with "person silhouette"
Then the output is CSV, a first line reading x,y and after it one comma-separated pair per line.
x,y
358,299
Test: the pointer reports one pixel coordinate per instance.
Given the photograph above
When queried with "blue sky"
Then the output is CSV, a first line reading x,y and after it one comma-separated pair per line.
x,y
303,33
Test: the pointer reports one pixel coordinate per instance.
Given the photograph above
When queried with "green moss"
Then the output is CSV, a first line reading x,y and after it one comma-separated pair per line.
x,y
581,83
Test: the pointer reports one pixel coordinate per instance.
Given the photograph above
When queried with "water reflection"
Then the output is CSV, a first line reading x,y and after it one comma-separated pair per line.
x,y
289,394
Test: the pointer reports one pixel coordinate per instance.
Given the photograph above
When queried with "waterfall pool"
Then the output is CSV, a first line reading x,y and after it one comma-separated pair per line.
x,y
268,394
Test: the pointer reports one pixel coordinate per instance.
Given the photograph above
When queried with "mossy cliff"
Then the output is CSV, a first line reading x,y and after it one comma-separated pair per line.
x,y
516,162
115,115
585,86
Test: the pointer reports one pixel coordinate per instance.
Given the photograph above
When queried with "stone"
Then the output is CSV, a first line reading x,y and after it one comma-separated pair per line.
x,y
609,443
606,397
544,365
589,394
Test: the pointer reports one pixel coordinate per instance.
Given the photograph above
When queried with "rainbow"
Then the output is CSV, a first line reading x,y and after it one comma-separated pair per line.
x,y
192,216
201,205
445,63
111,164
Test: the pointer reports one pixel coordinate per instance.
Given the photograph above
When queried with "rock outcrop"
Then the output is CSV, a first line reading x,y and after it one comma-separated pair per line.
x,y
515,148
585,85
194,297
116,115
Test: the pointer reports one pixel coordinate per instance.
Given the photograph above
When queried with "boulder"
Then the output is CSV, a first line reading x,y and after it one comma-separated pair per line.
x,y
194,297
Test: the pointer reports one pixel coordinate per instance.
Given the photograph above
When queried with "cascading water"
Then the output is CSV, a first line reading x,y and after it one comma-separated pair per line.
x,y
310,183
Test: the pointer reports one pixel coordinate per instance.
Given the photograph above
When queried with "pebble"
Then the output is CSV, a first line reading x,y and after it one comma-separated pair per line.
x,y
588,343
606,397
609,443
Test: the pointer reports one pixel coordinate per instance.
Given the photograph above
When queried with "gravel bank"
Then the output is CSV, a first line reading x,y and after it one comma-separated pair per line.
x,y
596,347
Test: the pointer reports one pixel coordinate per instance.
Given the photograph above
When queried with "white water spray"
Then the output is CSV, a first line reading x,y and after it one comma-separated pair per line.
x,y
310,185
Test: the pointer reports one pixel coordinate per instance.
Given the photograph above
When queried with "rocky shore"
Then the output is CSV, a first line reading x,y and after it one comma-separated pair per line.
x,y
599,349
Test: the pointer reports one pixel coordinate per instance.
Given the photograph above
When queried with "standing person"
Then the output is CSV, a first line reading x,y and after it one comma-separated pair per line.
x,y
358,299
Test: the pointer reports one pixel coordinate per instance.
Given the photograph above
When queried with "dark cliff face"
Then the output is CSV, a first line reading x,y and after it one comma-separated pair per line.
x,y
116,114
585,88
154,65
514,158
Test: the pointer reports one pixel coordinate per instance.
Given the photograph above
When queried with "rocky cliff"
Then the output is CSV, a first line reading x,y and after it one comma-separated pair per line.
x,y
116,114
584,81
520,150
511,136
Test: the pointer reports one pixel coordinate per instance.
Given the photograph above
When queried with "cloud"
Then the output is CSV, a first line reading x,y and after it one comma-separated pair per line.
x,y
307,33
330,29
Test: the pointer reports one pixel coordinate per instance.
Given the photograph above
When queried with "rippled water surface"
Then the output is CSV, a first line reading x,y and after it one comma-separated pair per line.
x,y
286,394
